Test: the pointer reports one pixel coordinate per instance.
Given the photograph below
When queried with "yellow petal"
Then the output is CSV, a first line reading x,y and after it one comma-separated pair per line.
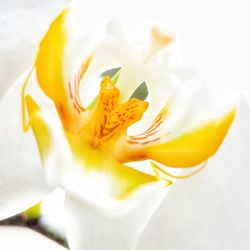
x,y
49,61
39,126
192,147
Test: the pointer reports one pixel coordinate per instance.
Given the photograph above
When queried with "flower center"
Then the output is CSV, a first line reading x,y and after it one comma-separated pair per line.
x,y
104,123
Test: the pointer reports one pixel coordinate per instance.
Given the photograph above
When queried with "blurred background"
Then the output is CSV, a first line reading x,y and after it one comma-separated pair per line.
x,y
212,37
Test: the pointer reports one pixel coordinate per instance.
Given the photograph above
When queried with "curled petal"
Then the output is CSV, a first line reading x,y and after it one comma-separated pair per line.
x,y
49,61
53,146
193,147
50,66
40,128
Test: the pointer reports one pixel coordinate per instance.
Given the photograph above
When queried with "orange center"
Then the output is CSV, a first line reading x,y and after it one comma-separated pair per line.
x,y
101,126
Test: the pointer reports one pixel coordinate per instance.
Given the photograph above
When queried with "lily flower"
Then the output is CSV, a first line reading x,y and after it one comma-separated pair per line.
x,y
114,167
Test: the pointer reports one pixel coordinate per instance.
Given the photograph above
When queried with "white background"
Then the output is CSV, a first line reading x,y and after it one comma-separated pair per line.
x,y
211,210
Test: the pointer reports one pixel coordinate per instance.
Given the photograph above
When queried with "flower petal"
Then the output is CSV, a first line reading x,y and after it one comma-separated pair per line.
x,y
193,147
183,73
114,180
40,128
184,134
52,143
117,226
22,181
211,210
49,61
18,238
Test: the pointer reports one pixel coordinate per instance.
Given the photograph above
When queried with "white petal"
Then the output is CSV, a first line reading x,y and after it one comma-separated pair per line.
x,y
161,86
211,210
92,227
77,50
19,238
192,106
59,159
53,213
22,181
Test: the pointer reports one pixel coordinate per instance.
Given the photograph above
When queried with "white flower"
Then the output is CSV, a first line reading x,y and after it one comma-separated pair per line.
x,y
83,138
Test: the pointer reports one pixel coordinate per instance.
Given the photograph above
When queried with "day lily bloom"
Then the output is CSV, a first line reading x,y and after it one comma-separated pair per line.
x,y
113,150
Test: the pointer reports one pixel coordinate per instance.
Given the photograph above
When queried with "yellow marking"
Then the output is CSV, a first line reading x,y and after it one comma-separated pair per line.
x,y
40,128
193,147
127,179
49,61
25,123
